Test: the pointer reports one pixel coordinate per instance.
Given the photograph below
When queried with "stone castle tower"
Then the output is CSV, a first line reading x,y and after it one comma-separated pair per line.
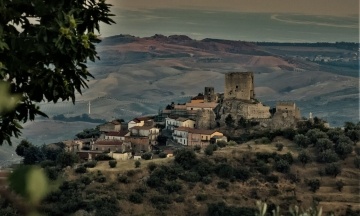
x,y
209,94
240,86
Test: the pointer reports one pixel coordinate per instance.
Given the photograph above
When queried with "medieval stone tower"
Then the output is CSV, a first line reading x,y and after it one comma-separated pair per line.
x,y
209,94
240,86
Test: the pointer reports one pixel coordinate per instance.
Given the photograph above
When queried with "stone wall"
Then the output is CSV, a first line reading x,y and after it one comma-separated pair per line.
x,y
205,119
209,94
239,85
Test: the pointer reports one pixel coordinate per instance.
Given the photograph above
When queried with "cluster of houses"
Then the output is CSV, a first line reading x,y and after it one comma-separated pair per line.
x,y
124,141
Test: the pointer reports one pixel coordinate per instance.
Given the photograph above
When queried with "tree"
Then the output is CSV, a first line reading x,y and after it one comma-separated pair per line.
x,y
229,121
33,155
112,163
186,158
314,184
323,144
302,140
343,149
333,169
304,157
339,185
21,148
45,59
65,159
209,150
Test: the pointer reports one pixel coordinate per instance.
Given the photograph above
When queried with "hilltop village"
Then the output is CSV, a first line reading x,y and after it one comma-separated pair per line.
x,y
201,121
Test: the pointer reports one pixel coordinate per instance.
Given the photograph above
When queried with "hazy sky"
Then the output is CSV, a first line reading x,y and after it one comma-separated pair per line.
x,y
321,7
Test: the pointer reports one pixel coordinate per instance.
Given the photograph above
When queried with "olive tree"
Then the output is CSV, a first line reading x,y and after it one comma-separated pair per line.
x,y
44,48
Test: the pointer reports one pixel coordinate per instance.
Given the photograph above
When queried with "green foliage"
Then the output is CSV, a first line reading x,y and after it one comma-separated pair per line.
x,y
197,148
209,150
343,149
173,187
112,163
162,155
315,134
85,180
190,176
302,140
186,158
146,156
339,185
327,156
314,184
323,144
33,155
201,197
136,198
224,170
81,169
206,180
88,133
333,169
282,166
65,159
90,164
242,173
23,145
45,60
304,157
52,173
151,166
138,163
103,157
229,121
123,179
160,201
272,178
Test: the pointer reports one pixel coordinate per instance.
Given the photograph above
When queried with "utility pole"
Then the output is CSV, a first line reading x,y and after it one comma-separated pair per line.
x,y
89,107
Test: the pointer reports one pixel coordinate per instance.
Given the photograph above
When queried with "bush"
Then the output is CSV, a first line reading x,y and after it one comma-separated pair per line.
x,y
90,164
357,162
160,202
162,155
197,148
65,159
279,146
100,179
339,185
179,199
85,180
47,163
209,150
173,187
186,158
217,209
206,180
302,140
327,156
123,179
282,166
314,184
137,164
223,185
333,169
224,170
136,198
263,168
272,178
242,173
190,176
201,197
52,172
304,157
274,192
81,169
103,157
146,156
221,144
343,149
151,166
112,163
323,144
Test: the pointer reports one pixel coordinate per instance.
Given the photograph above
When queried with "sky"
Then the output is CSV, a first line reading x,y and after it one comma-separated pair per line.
x,y
320,7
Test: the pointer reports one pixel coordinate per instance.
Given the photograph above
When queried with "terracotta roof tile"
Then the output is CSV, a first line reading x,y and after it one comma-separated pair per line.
x,y
115,133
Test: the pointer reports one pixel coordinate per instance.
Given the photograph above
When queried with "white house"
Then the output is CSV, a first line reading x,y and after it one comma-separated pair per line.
x,y
117,135
172,123
180,135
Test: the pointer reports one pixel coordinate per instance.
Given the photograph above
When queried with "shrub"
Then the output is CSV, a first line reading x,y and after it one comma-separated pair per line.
x,y
123,179
141,190
197,148
151,166
206,180
209,150
232,143
357,162
137,164
162,155
333,169
146,156
223,185
339,185
274,192
173,187
47,163
242,173
302,140
201,197
135,198
112,163
314,184
186,158
65,159
52,172
100,179
279,146
304,157
216,209
272,178
190,176
343,149
130,173
263,168
81,169
224,170
204,168
85,180
160,202
179,199
323,144
327,156
282,166
90,164
221,144
103,157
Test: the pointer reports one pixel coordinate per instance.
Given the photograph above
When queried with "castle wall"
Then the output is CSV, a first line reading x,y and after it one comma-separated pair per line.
x,y
239,85
209,94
